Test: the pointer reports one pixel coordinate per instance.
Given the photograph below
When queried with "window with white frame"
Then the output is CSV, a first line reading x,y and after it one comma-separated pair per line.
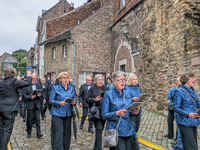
x,y
123,4
53,53
64,51
83,76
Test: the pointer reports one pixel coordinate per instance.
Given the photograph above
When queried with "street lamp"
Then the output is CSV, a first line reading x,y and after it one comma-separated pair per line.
x,y
126,33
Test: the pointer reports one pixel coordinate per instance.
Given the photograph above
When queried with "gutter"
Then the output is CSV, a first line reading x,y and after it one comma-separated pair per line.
x,y
74,56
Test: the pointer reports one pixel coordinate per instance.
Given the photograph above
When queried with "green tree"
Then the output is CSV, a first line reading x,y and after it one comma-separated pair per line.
x,y
19,56
2,68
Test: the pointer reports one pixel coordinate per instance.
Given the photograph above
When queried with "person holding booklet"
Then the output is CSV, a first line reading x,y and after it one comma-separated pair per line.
x,y
114,111
186,105
61,112
135,92
93,96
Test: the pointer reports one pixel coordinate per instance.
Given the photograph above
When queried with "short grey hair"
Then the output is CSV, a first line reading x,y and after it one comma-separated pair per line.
x,y
118,74
97,77
186,76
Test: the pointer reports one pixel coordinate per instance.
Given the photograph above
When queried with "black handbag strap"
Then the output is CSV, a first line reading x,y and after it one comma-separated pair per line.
x,y
190,97
121,116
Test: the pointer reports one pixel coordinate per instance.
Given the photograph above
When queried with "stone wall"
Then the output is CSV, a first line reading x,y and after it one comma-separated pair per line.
x,y
70,19
168,39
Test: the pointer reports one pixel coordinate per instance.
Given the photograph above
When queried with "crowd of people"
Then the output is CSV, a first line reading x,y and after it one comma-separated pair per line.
x,y
32,97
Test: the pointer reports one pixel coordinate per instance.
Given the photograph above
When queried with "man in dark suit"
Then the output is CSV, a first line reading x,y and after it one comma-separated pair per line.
x,y
46,89
82,102
9,104
33,106
20,98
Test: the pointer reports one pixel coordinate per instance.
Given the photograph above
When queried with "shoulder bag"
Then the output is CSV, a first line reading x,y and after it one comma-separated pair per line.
x,y
93,113
111,135
191,98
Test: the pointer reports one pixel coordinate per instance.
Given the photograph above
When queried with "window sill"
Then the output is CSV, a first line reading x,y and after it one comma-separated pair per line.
x,y
121,10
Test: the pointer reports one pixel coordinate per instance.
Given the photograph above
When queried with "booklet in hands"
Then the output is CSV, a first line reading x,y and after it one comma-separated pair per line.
x,y
70,100
37,91
198,111
102,94
143,95
134,105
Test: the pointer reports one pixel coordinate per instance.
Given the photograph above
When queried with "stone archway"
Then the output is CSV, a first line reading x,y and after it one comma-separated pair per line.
x,y
124,58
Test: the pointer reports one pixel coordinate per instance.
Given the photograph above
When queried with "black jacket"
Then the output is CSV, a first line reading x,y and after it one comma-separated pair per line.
x,y
83,94
33,103
93,92
46,91
9,95
57,82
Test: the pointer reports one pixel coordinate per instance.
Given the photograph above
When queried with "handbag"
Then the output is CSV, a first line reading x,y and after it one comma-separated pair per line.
x,y
93,113
171,108
111,135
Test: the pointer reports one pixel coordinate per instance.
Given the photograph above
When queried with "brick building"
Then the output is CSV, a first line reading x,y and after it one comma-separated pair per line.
x,y
57,10
167,39
162,43
30,57
79,25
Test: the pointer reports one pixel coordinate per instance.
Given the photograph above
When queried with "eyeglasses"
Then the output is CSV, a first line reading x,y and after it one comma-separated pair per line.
x,y
100,80
122,80
65,78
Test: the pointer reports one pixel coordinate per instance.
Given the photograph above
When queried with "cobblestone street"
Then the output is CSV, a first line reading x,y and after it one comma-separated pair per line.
x,y
152,129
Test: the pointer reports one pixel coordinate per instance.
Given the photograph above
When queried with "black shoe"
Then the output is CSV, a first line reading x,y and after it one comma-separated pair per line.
x,y
91,131
39,136
24,119
28,136
175,142
42,118
81,127
166,136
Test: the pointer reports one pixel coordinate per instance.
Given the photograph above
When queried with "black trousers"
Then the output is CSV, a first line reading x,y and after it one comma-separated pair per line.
x,y
85,113
99,126
41,108
36,114
7,120
24,110
170,120
21,108
60,133
125,143
189,137
45,109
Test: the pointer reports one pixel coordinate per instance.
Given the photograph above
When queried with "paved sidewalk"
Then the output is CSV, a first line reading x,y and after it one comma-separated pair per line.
x,y
152,129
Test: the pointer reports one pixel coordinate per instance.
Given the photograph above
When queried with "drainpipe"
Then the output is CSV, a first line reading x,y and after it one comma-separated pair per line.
x,y
74,57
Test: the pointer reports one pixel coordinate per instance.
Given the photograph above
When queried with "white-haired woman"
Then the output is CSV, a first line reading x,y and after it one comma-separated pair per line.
x,y
93,96
135,92
113,107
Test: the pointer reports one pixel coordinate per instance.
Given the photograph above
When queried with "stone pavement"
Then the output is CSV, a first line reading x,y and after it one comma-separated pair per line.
x,y
153,127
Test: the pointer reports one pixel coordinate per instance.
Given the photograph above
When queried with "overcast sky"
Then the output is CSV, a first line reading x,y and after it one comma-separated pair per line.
x,y
18,22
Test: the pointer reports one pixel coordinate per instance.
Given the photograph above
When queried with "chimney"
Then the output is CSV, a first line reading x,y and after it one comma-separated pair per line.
x,y
71,6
